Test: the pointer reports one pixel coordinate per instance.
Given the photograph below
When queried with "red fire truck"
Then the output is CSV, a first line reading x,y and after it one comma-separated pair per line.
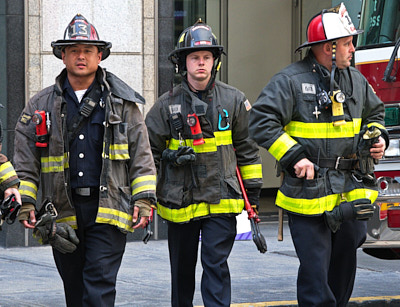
x,y
377,58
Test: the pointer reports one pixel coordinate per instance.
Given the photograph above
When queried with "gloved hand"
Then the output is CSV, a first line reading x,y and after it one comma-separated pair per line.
x,y
368,137
253,194
182,156
61,236
145,206
9,209
24,211
360,209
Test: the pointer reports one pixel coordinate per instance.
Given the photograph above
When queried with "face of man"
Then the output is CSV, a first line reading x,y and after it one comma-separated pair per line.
x,y
81,61
344,52
199,65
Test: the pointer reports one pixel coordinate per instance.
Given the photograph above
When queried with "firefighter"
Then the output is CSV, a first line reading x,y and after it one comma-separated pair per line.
x,y
85,140
9,181
312,116
194,131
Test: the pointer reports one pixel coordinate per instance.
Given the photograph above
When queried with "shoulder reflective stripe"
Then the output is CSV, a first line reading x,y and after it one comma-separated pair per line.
x,y
251,171
71,221
376,125
28,188
323,130
281,146
6,171
119,152
185,214
320,205
54,164
143,183
210,144
115,217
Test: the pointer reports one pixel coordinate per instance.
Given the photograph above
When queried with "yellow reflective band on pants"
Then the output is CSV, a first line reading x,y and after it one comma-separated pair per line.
x,y
319,205
185,214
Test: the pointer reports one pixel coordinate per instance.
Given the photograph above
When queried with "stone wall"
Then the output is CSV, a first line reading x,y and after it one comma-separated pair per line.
x,y
128,24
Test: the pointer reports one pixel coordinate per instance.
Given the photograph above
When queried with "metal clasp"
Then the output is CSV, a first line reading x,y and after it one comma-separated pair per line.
x,y
337,162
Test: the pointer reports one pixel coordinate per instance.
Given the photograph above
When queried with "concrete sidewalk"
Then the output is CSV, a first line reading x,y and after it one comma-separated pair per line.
x,y
28,276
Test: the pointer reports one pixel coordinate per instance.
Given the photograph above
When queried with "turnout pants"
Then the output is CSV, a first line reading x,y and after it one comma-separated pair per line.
x,y
89,274
217,238
328,260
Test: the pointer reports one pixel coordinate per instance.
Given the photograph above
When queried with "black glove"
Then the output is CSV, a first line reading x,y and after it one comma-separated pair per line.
x,y
360,209
368,137
182,156
253,194
61,236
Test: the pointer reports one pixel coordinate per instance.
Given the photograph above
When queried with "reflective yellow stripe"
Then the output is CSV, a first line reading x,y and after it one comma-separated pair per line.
x,y
6,171
223,137
182,37
143,183
28,188
115,217
200,210
119,152
376,125
210,144
70,220
281,146
320,205
54,164
251,171
323,130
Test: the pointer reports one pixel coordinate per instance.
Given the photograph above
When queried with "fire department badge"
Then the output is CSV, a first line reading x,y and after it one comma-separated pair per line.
x,y
25,118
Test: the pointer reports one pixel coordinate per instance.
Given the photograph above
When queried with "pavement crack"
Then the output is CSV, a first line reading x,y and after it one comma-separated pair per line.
x,y
286,253
12,259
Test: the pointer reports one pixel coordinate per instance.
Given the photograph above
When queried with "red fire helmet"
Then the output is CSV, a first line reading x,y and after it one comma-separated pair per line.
x,y
329,25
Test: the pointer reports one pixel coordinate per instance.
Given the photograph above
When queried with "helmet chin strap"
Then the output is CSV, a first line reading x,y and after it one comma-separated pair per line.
x,y
333,69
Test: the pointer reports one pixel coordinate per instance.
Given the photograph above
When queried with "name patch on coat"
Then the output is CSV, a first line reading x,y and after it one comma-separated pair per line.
x,y
308,88
174,108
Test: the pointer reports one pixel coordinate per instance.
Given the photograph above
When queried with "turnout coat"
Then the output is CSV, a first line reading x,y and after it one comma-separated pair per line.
x,y
127,171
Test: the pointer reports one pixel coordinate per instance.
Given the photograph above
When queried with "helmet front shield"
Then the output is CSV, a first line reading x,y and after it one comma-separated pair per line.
x,y
329,25
80,31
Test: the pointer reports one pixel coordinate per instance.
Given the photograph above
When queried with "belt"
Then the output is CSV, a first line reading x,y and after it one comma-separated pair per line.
x,y
335,163
88,191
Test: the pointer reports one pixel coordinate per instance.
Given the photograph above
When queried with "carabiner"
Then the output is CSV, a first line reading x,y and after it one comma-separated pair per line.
x,y
226,120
